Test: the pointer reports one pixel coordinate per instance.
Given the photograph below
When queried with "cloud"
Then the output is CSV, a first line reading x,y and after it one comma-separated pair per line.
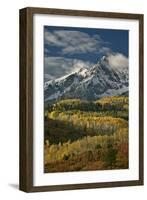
x,y
118,60
56,67
105,50
73,42
62,45
48,77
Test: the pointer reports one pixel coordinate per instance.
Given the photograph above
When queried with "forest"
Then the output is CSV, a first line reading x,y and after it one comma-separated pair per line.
x,y
82,135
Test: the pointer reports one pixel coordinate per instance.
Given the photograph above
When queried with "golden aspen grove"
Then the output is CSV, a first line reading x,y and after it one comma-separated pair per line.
x,y
82,135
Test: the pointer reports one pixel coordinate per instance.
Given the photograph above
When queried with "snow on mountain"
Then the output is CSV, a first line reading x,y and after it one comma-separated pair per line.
x,y
98,81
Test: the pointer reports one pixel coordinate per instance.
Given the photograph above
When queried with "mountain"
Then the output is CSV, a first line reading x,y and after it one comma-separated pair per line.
x,y
98,81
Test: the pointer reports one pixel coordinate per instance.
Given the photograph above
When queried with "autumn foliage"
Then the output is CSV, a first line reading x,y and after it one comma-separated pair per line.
x,y
86,135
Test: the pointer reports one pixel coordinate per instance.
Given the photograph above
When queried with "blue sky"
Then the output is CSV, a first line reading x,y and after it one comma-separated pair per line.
x,y
68,48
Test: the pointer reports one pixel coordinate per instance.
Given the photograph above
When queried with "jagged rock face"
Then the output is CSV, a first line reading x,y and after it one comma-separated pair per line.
x,y
89,84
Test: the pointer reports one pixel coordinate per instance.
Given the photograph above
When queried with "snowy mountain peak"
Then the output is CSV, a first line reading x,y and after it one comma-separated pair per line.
x,y
90,84
82,71
104,58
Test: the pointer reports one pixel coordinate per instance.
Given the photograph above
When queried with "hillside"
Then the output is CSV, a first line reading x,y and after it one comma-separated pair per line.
x,y
86,135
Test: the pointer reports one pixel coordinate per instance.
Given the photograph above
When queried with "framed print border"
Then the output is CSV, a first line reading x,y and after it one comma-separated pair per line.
x,y
26,99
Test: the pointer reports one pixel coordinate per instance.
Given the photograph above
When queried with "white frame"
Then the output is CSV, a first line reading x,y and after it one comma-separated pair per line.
x,y
40,178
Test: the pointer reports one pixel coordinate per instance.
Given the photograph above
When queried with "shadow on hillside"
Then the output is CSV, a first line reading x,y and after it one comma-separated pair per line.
x,y
57,131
